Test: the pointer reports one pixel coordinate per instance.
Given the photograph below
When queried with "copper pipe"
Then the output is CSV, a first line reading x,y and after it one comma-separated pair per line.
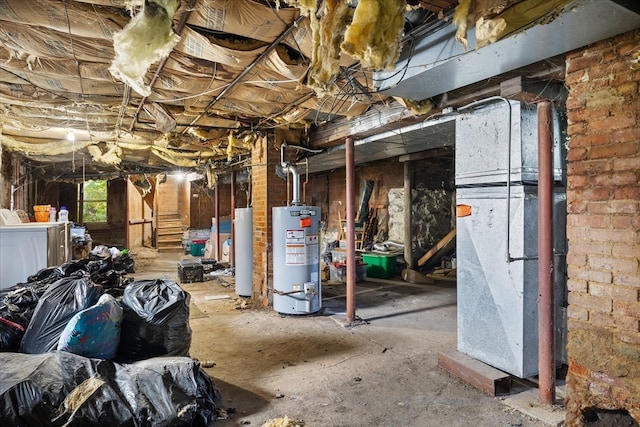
x,y
351,236
546,324
232,253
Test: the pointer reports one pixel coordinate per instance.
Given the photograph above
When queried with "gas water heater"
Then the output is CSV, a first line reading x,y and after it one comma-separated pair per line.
x,y
296,252
296,260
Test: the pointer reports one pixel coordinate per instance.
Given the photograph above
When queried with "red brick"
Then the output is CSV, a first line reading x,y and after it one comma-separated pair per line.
x,y
629,324
626,308
618,293
626,135
616,179
622,222
574,103
597,193
628,48
578,181
577,234
610,236
627,251
581,63
625,109
591,248
573,324
623,80
605,320
628,337
624,206
577,369
601,73
577,129
596,221
575,285
588,140
618,121
627,193
614,150
575,205
625,86
598,207
588,114
627,163
589,275
589,167
577,313
576,77
576,259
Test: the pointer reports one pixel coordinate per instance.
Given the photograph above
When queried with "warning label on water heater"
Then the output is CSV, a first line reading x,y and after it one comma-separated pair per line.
x,y
300,249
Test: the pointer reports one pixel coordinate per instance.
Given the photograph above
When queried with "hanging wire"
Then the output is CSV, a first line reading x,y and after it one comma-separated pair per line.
x,y
73,51
275,12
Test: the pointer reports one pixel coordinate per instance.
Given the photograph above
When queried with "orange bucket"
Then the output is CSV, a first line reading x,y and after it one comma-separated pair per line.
x,y
41,212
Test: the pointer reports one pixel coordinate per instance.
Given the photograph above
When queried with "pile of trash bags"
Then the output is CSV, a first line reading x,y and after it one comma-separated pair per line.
x,y
83,344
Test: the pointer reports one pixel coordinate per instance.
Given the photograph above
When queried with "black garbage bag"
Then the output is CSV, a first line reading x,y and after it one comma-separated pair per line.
x,y
156,320
18,303
112,282
10,335
56,307
46,275
124,263
59,388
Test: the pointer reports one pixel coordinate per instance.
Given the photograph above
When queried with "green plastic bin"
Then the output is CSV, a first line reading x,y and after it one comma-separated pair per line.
x,y
197,247
381,266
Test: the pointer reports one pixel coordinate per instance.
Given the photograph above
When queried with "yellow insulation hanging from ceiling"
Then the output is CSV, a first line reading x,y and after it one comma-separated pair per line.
x,y
325,61
147,38
460,19
374,34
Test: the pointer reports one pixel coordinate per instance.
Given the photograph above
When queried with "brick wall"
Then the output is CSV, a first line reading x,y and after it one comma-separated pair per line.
x,y
328,190
267,191
603,195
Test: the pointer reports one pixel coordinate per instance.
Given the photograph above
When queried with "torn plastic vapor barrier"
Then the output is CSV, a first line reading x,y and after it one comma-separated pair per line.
x,y
64,389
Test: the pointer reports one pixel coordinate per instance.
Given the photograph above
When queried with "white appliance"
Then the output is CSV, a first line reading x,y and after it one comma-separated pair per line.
x,y
29,247
244,251
296,259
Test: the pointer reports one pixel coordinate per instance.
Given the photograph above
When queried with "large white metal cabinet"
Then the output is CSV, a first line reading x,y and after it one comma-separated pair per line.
x,y
27,248
496,163
497,298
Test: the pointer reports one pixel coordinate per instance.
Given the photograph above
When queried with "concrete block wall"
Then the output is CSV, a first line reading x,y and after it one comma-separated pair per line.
x,y
603,227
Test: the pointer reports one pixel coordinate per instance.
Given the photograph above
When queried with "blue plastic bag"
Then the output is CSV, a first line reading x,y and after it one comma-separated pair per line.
x,y
95,331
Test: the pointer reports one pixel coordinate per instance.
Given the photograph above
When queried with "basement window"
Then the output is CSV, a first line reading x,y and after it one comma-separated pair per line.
x,y
94,201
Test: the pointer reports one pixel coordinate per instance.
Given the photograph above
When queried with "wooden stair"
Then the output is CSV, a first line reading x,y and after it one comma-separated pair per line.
x,y
169,234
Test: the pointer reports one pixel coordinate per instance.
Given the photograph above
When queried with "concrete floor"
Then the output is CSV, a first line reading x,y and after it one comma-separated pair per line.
x,y
382,372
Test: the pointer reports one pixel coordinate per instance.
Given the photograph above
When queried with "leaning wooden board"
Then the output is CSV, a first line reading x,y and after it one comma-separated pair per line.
x,y
444,245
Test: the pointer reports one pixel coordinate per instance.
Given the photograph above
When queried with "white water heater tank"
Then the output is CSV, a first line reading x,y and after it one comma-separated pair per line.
x,y
296,260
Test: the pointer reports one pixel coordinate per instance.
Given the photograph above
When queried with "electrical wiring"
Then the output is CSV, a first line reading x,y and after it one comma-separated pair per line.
x,y
275,12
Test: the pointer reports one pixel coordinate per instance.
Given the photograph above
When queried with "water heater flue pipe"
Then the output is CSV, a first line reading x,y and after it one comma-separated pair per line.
x,y
295,174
